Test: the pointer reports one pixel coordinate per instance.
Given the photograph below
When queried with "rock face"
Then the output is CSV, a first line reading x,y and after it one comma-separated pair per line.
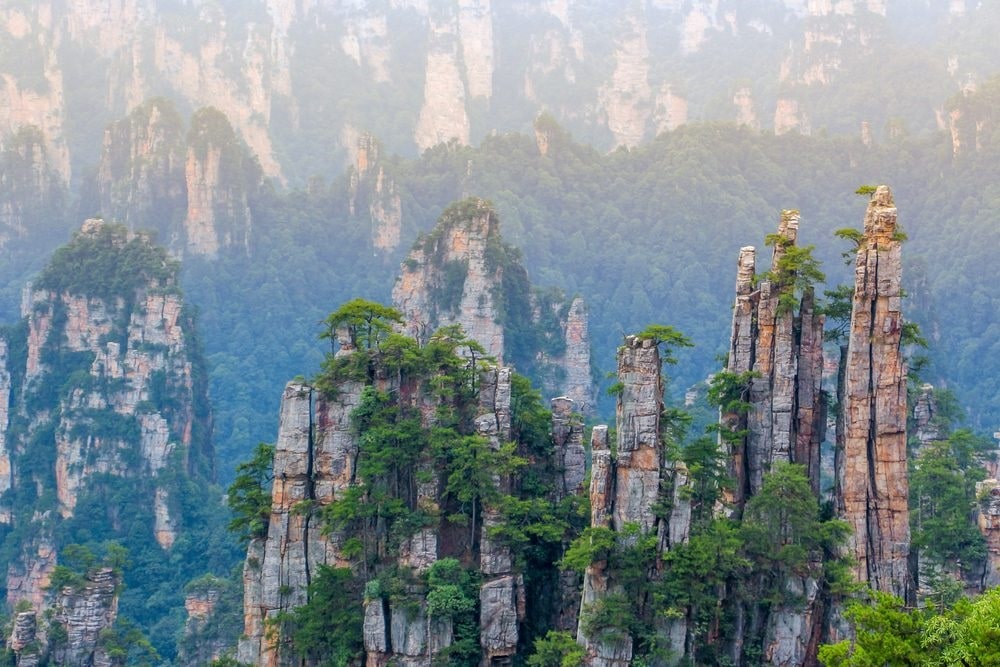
x,y
371,185
625,490
449,278
107,399
988,491
776,360
33,190
192,187
570,459
313,461
501,603
140,179
783,347
218,175
461,274
872,481
83,613
925,417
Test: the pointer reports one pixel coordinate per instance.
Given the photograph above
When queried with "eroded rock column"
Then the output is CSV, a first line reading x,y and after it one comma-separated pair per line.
x,y
874,487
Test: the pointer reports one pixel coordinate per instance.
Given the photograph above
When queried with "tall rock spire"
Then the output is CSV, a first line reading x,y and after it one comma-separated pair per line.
x,y
784,351
872,477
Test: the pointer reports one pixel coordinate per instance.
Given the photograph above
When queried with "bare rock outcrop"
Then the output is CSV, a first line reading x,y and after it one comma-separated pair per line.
x,y
782,346
313,464
84,612
462,273
140,179
372,186
111,402
873,489
988,519
33,191
626,489
450,278
219,176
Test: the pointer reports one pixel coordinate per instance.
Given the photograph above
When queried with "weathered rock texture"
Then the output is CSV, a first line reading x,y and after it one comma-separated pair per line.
x,y
570,461
450,278
783,347
106,399
219,174
84,612
372,187
313,461
192,186
928,427
32,191
988,491
204,640
873,490
501,603
140,179
461,274
625,489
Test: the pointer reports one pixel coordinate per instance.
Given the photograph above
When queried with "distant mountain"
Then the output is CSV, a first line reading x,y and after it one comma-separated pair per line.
x,y
300,81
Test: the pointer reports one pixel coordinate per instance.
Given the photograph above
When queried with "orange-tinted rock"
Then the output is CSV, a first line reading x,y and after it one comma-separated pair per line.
x,y
873,486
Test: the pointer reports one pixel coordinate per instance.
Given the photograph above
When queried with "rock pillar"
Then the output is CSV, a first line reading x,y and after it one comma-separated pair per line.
x,y
873,485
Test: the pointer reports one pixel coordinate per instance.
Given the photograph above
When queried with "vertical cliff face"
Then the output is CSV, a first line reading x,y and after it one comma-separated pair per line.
x,y
443,115
33,191
193,188
873,490
782,345
988,519
219,177
928,428
71,633
314,461
141,180
450,277
372,188
84,612
501,595
463,273
105,409
627,489
33,94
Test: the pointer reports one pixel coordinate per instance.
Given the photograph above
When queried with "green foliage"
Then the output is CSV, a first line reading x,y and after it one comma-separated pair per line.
x,y
327,630
782,529
108,263
556,649
888,633
125,643
249,496
451,590
794,273
942,499
729,391
868,190
593,544
838,307
667,338
367,322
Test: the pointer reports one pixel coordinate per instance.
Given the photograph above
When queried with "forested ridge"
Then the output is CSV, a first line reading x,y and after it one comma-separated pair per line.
x,y
662,220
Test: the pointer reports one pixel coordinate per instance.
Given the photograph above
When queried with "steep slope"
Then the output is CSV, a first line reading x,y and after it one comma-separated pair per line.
x,y
192,187
300,81
463,273
106,431
388,515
